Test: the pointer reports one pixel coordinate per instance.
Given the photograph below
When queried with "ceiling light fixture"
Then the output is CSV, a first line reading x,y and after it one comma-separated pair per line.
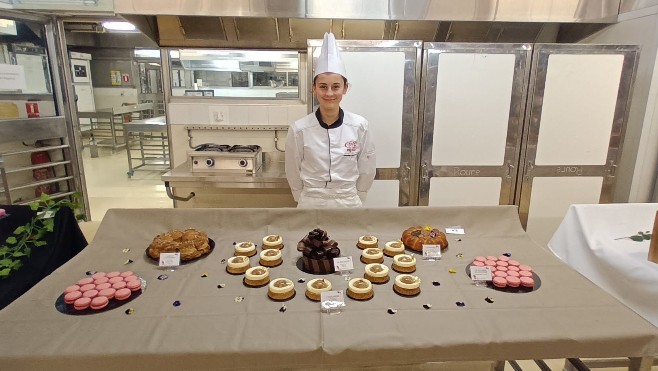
x,y
119,26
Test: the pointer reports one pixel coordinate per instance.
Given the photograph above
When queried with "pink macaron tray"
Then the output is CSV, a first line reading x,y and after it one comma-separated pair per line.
x,y
211,242
508,275
99,293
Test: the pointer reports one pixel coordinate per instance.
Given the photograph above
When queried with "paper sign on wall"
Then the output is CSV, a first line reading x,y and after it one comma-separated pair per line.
x,y
115,77
12,77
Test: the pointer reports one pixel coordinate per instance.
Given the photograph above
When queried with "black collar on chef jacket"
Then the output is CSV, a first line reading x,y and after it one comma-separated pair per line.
x,y
336,124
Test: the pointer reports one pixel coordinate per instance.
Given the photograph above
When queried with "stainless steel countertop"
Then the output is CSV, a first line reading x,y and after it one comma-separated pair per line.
x,y
272,175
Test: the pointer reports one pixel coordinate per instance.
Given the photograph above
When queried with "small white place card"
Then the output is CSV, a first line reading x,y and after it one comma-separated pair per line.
x,y
480,273
332,300
343,264
457,229
169,259
432,252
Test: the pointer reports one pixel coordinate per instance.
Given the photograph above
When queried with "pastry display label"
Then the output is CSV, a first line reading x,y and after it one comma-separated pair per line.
x,y
431,252
332,301
169,259
480,275
455,230
344,264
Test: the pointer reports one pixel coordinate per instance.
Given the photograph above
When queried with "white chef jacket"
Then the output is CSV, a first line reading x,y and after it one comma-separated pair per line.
x,y
330,166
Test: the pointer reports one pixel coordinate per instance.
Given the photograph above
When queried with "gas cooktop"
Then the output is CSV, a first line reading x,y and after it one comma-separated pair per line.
x,y
212,147
224,158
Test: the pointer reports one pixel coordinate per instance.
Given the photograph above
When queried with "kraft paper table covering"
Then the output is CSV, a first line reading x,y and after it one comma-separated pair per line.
x,y
589,239
568,316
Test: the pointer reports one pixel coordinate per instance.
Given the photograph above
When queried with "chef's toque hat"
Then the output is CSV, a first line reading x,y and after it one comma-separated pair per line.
x,y
329,60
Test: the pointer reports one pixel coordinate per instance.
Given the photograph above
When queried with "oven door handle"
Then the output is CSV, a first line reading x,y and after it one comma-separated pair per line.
x,y
171,195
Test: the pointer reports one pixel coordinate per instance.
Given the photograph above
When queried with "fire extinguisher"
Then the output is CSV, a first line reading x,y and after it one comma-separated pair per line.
x,y
37,158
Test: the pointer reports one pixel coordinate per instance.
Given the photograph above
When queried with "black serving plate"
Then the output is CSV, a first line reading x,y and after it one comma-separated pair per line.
x,y
62,307
211,242
514,290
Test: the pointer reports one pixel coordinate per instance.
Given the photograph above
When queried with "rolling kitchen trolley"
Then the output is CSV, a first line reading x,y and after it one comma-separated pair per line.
x,y
147,145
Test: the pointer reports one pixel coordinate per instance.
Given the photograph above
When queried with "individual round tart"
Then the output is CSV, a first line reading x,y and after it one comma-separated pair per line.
x,y
367,241
270,258
415,237
315,287
360,289
404,263
237,264
372,255
272,241
376,273
281,289
257,276
246,248
191,243
407,285
392,248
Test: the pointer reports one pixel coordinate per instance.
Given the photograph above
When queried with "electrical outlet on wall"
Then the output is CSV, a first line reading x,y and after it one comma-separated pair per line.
x,y
218,115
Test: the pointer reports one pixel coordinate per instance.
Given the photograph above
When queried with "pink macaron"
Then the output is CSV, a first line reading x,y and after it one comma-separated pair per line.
x,y
130,278
501,263
525,268
525,274
85,281
513,281
113,274
103,286
491,257
116,279
72,296
98,275
503,258
512,268
491,263
480,259
126,274
500,274
87,287
501,268
119,285
527,282
134,285
90,294
99,302
513,262
108,293
100,280
82,303
513,274
478,263
72,288
499,282
122,294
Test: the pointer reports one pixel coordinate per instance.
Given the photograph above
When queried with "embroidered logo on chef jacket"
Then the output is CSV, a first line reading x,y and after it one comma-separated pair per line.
x,y
352,147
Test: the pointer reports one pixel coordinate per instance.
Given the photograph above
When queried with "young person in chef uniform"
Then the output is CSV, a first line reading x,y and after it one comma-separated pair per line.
x,y
330,154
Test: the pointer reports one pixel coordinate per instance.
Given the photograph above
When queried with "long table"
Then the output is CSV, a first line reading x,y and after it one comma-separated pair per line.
x,y
596,241
568,316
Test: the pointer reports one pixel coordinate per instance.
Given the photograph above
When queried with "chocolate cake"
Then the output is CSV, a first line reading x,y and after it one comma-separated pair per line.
x,y
318,252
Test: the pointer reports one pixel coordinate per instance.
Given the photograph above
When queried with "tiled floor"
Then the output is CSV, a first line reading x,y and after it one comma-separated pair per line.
x,y
108,186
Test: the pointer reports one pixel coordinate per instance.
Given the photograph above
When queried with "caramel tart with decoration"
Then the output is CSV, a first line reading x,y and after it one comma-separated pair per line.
x,y
376,273
272,241
360,289
191,243
367,241
245,248
257,276
315,287
407,285
404,263
237,264
415,237
281,289
372,255
392,248
270,258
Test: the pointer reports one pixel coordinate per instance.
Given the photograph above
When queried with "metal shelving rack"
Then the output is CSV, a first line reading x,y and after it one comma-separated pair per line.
x,y
147,145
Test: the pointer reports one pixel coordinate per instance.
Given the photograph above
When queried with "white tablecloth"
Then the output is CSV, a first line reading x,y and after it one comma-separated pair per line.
x,y
591,240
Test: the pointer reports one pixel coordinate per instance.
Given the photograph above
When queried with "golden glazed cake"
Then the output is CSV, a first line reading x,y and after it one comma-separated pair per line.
x,y
367,241
392,248
237,264
191,243
376,273
246,248
415,237
404,263
372,255
315,287
407,285
270,258
281,289
257,276
272,241
360,289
